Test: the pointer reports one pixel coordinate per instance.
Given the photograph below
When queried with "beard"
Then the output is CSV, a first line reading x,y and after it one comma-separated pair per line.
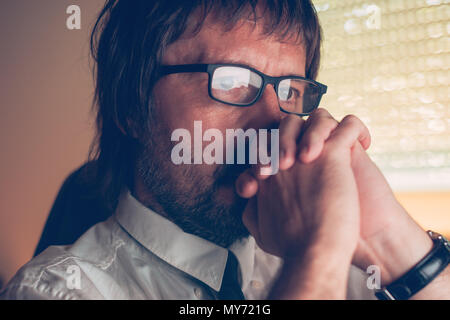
x,y
200,202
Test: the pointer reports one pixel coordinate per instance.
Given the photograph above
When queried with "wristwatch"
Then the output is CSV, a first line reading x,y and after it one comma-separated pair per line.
x,y
421,274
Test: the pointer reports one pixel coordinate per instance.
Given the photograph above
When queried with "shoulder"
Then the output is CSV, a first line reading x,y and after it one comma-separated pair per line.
x,y
44,277
65,272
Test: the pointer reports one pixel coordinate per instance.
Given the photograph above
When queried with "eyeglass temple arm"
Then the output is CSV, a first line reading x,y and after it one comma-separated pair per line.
x,y
165,70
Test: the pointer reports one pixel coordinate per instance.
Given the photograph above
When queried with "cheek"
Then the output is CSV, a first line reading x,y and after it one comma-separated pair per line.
x,y
180,108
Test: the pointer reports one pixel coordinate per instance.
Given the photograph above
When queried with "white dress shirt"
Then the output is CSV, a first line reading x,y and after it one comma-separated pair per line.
x,y
138,254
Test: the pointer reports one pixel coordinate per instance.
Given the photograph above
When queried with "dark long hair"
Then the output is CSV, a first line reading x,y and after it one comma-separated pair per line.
x,y
127,44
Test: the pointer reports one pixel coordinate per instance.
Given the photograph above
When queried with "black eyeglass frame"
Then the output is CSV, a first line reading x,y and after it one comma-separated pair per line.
x,y
210,68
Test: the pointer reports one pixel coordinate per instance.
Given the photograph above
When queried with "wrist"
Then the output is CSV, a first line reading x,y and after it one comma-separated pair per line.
x,y
324,246
319,272
396,252
420,281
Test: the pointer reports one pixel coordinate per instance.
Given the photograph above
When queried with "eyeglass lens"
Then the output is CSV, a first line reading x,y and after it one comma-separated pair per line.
x,y
241,86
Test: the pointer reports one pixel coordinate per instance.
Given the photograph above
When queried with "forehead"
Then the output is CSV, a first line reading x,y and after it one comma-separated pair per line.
x,y
246,43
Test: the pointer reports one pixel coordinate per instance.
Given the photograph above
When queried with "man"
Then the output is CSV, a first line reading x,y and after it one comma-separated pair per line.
x,y
227,231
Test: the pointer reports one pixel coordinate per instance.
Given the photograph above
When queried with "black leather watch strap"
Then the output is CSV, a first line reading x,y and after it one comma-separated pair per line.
x,y
421,274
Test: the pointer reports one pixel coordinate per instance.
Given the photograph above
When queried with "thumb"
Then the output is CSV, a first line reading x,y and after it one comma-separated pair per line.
x,y
246,184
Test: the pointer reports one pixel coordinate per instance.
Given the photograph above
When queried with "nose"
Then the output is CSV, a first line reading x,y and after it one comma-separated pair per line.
x,y
266,113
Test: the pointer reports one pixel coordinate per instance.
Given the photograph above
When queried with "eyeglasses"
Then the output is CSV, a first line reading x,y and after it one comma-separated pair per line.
x,y
242,86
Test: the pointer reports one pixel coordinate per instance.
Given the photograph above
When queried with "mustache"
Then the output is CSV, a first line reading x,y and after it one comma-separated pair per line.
x,y
226,174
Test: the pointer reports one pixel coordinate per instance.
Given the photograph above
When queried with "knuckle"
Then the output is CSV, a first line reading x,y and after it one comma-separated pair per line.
x,y
287,141
330,123
290,129
322,112
323,117
352,119
321,128
307,139
294,118
291,121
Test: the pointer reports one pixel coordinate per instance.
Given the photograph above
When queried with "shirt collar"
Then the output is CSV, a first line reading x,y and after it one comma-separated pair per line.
x,y
191,254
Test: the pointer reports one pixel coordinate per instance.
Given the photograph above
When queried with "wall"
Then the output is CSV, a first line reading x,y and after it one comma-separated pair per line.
x,y
45,125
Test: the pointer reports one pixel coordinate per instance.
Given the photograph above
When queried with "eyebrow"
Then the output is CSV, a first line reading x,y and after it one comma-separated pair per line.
x,y
207,58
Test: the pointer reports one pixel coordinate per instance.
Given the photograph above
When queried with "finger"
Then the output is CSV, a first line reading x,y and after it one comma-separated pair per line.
x,y
365,138
350,130
260,172
290,129
246,184
317,130
267,170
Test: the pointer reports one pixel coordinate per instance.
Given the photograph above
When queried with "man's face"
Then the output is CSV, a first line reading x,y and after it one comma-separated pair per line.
x,y
200,198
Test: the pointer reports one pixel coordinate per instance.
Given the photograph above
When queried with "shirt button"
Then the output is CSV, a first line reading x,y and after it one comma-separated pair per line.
x,y
198,292
256,284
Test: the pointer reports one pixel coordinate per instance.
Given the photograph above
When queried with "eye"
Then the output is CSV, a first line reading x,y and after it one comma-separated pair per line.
x,y
287,92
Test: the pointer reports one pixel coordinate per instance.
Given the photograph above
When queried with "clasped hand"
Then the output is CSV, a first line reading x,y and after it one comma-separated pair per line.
x,y
328,193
